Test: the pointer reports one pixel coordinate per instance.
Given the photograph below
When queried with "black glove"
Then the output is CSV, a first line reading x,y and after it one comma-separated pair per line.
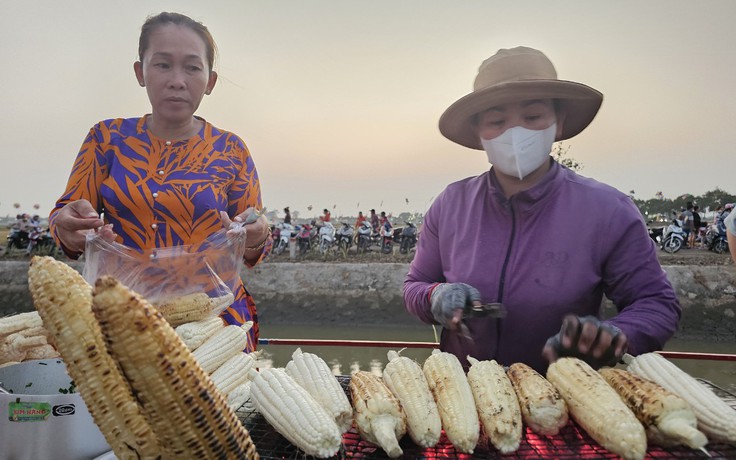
x,y
594,336
447,298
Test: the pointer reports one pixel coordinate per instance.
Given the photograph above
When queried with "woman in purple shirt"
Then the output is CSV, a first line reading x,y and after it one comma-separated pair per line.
x,y
533,236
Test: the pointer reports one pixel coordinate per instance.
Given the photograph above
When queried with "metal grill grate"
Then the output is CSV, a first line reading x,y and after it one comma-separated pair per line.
x,y
572,443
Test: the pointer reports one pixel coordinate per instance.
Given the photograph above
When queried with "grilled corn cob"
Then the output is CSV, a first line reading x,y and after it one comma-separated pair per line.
x,y
498,407
715,418
597,408
195,333
233,372
192,307
405,379
189,416
379,417
667,418
542,406
454,399
294,413
312,372
64,300
223,345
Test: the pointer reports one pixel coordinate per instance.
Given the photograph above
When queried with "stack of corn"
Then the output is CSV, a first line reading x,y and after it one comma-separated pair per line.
x,y
115,345
192,307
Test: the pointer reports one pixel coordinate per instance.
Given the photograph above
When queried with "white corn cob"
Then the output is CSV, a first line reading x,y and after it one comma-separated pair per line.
x,y
498,407
542,406
189,416
715,418
239,395
294,413
312,372
597,408
64,300
666,417
19,322
405,379
234,371
196,333
223,345
379,417
454,399
191,307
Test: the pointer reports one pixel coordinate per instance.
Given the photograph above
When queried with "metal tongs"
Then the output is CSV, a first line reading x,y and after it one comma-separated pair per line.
x,y
484,310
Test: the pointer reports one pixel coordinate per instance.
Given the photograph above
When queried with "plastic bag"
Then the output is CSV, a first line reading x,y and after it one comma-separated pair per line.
x,y
186,283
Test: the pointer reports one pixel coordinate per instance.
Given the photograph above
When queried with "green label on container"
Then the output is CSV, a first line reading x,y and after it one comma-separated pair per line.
x,y
28,411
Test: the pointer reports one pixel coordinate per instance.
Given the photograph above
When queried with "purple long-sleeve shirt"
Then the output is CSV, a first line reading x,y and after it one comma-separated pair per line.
x,y
549,251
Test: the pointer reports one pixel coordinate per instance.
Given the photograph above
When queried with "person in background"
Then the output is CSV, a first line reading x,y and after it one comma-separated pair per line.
x,y
170,177
730,223
287,216
360,219
505,237
383,219
374,221
687,224
699,227
326,216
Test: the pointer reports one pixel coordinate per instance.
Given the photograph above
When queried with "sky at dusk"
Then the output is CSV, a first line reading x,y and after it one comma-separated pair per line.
x,y
338,101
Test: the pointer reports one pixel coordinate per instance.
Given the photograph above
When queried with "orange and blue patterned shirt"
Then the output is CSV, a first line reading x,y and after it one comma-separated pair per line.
x,y
158,193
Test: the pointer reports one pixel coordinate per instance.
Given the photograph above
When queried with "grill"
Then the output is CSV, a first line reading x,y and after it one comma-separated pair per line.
x,y
571,443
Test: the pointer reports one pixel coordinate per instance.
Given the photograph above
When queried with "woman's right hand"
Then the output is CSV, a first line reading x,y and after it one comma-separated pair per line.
x,y
73,222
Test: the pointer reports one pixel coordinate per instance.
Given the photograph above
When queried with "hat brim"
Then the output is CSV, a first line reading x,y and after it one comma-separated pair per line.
x,y
579,102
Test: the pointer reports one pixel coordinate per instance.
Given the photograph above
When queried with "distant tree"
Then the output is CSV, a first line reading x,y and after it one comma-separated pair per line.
x,y
559,153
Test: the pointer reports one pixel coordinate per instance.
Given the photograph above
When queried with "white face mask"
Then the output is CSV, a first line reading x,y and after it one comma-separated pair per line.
x,y
519,151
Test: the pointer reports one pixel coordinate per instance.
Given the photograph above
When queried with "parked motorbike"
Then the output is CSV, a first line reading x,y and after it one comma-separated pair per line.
x,y
285,232
17,239
387,238
655,233
326,237
364,237
673,238
408,238
304,239
716,240
344,237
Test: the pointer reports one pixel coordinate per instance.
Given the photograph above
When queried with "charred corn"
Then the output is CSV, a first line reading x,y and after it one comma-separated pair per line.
x,y
405,379
189,416
597,408
233,372
454,399
715,418
498,407
294,413
223,345
667,418
379,417
64,300
195,333
191,307
542,407
314,375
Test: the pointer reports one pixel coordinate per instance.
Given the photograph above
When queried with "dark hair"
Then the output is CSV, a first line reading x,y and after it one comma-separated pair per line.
x,y
153,22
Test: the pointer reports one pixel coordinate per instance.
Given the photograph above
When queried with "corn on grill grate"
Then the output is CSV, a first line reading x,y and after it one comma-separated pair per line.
x,y
572,443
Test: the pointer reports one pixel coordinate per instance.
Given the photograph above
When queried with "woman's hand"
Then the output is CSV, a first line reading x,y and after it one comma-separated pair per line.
x,y
256,228
74,221
595,342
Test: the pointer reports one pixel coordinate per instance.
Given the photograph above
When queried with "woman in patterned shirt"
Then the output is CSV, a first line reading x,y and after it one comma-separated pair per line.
x,y
168,178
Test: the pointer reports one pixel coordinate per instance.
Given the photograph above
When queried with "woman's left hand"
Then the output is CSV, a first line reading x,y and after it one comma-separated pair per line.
x,y
256,225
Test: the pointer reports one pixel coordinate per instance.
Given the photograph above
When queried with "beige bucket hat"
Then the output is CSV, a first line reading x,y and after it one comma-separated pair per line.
x,y
513,75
